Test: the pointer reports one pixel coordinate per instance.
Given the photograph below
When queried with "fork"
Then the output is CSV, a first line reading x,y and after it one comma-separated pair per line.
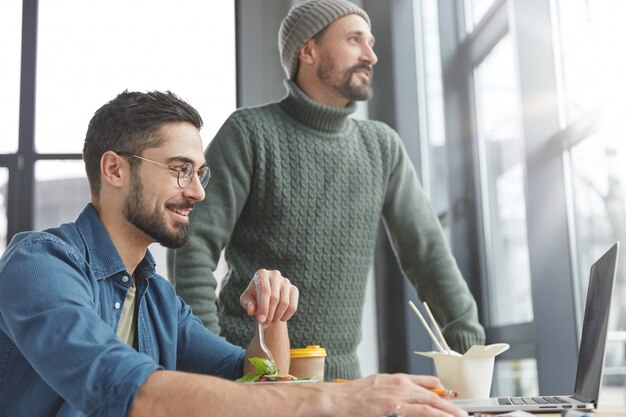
x,y
264,348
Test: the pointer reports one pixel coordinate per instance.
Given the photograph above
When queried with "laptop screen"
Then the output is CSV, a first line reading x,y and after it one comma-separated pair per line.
x,y
595,325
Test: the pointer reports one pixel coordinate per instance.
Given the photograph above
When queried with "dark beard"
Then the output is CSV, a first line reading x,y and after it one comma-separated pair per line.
x,y
151,224
345,87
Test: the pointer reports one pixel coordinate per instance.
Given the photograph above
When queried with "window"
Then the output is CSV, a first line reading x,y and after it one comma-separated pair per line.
x,y
475,10
10,35
431,88
502,171
593,118
100,48
61,192
516,377
535,109
589,34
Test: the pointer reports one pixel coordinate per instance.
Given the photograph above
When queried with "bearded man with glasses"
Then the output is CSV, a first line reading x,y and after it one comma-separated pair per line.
x,y
86,322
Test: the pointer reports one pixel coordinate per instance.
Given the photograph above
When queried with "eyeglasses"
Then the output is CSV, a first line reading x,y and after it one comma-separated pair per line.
x,y
185,172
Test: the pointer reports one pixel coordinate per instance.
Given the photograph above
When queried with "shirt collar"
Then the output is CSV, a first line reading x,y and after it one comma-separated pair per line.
x,y
102,255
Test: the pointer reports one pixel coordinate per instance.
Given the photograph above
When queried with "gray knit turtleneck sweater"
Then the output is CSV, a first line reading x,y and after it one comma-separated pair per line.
x,y
300,187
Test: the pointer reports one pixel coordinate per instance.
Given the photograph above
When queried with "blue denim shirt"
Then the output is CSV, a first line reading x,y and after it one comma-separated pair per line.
x,y
61,293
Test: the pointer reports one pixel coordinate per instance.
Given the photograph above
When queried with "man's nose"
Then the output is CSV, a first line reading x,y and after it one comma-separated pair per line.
x,y
369,55
195,190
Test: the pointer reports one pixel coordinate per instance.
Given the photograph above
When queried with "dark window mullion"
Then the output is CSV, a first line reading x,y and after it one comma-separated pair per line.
x,y
21,178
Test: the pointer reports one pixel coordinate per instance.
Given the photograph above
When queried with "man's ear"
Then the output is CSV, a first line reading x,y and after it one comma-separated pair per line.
x,y
113,169
308,53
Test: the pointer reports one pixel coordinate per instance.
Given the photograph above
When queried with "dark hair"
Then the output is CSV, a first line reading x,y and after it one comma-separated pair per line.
x,y
131,123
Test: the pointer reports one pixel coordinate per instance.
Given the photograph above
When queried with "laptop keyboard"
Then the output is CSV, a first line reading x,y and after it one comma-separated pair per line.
x,y
531,400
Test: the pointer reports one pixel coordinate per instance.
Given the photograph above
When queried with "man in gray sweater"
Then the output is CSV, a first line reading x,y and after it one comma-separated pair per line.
x,y
300,187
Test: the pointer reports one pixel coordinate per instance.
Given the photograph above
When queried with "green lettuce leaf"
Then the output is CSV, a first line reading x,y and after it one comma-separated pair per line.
x,y
262,367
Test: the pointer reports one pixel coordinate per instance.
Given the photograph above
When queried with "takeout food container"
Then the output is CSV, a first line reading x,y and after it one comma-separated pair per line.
x,y
308,362
470,374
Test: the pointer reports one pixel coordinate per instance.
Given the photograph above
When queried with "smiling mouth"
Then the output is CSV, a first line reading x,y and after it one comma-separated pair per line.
x,y
363,70
182,210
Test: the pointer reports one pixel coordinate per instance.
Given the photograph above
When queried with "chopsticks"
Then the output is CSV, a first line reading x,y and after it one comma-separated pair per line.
x,y
432,318
427,327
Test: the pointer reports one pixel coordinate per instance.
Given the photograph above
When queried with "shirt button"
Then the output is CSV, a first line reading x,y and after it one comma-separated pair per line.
x,y
117,306
124,278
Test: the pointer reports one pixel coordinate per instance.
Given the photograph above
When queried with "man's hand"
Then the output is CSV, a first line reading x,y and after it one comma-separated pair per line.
x,y
276,302
277,297
395,395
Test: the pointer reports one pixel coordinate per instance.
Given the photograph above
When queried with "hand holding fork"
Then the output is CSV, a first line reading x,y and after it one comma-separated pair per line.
x,y
272,298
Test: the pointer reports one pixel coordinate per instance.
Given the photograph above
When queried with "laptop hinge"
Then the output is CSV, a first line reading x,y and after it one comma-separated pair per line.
x,y
582,399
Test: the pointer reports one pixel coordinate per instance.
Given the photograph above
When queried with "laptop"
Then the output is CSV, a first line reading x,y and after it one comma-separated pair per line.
x,y
590,355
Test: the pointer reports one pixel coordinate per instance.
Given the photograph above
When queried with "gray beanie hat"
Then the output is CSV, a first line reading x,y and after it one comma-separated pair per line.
x,y
305,21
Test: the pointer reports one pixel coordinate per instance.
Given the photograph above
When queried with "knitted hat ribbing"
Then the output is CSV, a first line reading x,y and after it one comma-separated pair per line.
x,y
306,20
